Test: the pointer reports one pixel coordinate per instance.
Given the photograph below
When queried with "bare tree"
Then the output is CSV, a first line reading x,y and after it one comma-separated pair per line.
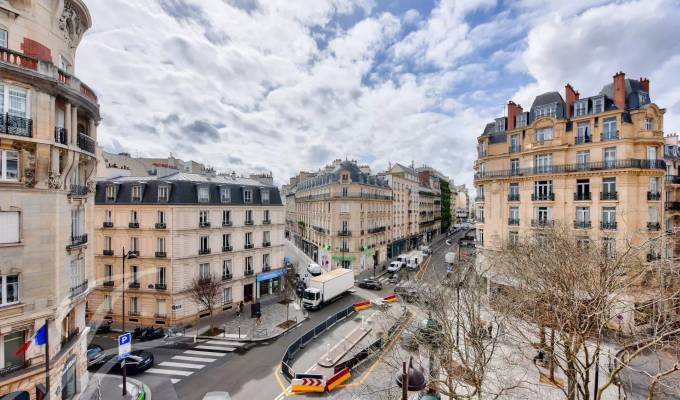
x,y
582,291
289,286
205,291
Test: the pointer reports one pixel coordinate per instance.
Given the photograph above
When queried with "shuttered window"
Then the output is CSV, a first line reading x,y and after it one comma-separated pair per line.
x,y
9,227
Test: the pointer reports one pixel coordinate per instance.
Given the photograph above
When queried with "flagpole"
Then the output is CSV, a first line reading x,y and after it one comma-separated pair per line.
x,y
47,359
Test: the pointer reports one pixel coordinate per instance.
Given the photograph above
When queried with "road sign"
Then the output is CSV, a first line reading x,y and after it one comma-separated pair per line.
x,y
124,345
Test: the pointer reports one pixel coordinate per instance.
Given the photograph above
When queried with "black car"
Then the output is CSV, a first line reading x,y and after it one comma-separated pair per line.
x,y
95,354
138,361
369,283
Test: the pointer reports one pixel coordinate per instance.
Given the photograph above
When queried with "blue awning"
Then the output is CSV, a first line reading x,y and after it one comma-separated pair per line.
x,y
269,275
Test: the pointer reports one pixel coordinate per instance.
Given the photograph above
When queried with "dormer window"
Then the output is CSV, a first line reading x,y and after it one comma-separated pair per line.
x,y
521,120
110,193
598,105
643,98
163,194
546,110
345,177
136,193
225,195
649,124
580,108
500,125
203,194
247,196
265,196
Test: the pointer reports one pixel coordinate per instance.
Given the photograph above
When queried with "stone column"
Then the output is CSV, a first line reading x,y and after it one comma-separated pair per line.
x,y
67,124
92,131
74,124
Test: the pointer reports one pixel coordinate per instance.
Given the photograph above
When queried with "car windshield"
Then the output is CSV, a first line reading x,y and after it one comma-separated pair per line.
x,y
309,295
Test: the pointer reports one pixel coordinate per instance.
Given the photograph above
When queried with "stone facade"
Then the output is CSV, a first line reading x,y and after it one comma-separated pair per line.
x,y
405,209
47,163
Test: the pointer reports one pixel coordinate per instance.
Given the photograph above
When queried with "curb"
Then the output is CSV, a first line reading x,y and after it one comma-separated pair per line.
x,y
333,362
255,340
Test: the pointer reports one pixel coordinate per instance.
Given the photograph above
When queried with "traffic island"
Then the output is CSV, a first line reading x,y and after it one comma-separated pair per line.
x,y
337,352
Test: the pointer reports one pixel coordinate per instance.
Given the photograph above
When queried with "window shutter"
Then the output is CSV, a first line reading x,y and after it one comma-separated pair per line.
x,y
9,227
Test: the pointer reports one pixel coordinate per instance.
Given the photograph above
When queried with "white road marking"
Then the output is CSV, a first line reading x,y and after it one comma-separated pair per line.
x,y
199,359
204,353
180,365
223,343
173,380
169,372
215,348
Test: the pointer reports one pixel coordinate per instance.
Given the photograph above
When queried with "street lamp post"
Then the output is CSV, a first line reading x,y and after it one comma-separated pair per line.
x,y
129,255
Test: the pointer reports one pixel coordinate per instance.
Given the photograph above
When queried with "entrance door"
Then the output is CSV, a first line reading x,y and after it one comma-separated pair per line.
x,y
248,293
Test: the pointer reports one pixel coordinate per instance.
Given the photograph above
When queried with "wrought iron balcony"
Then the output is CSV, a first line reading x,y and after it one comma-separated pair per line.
x,y
204,224
673,179
608,226
134,253
653,196
203,251
134,285
541,223
60,135
583,139
161,254
16,125
226,223
86,143
515,149
78,190
78,240
672,205
248,272
160,225
266,244
583,196
653,226
582,224
108,283
107,224
344,232
513,221
248,246
567,168
513,197
107,252
609,195
266,268
161,286
12,368
377,229
133,225
543,196
266,222
226,277
70,337
134,313
79,289
249,222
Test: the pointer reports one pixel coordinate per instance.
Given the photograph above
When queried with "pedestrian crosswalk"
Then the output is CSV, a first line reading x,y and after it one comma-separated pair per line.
x,y
195,359
384,279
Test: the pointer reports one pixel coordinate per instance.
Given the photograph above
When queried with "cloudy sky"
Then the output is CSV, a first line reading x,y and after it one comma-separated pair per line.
x,y
285,85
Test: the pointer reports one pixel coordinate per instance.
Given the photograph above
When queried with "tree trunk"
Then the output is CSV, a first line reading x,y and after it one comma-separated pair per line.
x,y
552,354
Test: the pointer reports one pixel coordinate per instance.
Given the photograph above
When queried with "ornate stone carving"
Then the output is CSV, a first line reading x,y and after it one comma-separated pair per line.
x,y
71,24
28,159
54,181
91,186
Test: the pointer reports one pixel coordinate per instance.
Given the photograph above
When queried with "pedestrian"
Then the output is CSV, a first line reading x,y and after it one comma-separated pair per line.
x,y
238,311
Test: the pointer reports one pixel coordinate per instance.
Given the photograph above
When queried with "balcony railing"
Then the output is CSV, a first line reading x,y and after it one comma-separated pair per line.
x,y
203,251
582,196
609,195
161,254
133,225
134,313
161,286
609,135
160,225
248,272
226,223
653,226
66,340
86,143
653,196
60,135
344,232
78,240
248,246
107,224
515,149
226,248
582,224
134,285
204,224
583,139
16,125
608,226
541,223
134,253
78,289
108,283
107,252
12,368
513,221
226,277
266,244
78,190
249,222
567,168
543,196
266,268
377,229
673,179
513,197
266,222
672,205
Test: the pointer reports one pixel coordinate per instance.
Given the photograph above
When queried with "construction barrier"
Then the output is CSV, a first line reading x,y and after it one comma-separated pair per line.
x,y
337,379
362,306
304,385
391,298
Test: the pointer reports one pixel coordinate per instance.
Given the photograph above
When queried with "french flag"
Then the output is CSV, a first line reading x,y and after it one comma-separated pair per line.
x,y
40,338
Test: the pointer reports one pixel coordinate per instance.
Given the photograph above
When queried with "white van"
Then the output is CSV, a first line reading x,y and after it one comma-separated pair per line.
x,y
395,266
414,260
402,258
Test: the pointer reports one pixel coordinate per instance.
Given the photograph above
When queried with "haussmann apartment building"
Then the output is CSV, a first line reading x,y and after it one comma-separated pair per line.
x,y
593,163
48,133
179,227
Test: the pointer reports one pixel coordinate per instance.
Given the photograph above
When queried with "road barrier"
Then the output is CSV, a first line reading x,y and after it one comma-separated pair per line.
x,y
337,379
304,385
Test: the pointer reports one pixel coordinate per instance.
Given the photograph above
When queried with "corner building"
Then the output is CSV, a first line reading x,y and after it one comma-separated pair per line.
x,y
180,227
592,163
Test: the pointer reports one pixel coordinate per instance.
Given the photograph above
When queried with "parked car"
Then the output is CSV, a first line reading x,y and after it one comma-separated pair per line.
x,y
395,266
148,333
217,396
426,249
368,283
138,361
100,327
394,279
95,353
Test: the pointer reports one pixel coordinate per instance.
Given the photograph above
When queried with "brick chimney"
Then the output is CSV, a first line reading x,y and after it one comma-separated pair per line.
x,y
645,84
619,90
513,110
570,96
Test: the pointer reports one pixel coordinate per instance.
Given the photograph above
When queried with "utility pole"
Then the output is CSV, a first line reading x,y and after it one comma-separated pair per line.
x,y
123,301
404,382
47,360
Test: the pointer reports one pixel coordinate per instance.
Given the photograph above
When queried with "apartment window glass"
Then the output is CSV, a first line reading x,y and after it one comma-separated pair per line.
x,y
649,124
609,245
265,260
9,165
203,194
345,192
544,134
583,132
643,98
136,193
203,218
609,215
480,236
653,215
609,131
204,271
249,215
247,196
77,222
545,110
265,196
108,216
654,186
108,272
11,343
514,189
203,243
161,308
134,304
542,189
265,237
482,169
160,245
580,108
226,241
18,102
226,217
134,244
609,185
598,105
226,269
108,303
344,245
582,214
521,119
160,275
163,193
543,214
480,214
77,272
9,227
3,38
609,156
266,215
160,217
514,213
249,263
583,159
133,217
9,289
226,295
110,193
514,166
514,143
249,238
225,195
513,237
583,189
107,243
135,273
543,163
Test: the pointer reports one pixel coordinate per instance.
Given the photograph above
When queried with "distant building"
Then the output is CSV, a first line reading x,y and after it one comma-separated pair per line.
x,y
405,209
123,164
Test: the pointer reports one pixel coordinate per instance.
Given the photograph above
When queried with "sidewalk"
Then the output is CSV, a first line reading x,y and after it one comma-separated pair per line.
x,y
105,387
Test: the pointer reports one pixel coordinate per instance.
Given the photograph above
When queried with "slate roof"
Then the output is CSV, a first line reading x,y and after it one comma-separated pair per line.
x,y
355,175
632,87
547,98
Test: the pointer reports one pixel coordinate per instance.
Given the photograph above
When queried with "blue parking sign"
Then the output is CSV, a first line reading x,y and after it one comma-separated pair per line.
x,y
124,345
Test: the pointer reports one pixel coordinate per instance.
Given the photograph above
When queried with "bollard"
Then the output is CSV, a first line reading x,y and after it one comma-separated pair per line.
x,y
224,331
239,331
194,338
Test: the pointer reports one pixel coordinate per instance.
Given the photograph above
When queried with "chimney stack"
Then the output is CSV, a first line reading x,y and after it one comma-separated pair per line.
x,y
645,84
513,110
619,90
570,97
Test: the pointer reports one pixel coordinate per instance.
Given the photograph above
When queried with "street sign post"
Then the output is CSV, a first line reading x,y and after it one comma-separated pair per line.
x,y
124,349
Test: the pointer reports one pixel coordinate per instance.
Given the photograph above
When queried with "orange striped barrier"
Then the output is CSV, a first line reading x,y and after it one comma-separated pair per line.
x,y
303,385
337,379
391,298
362,305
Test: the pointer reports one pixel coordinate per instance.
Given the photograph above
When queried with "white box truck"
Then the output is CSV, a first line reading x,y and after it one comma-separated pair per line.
x,y
327,287
415,258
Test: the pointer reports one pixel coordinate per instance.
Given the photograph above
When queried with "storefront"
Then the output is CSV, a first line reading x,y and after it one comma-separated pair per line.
x,y
68,379
269,283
